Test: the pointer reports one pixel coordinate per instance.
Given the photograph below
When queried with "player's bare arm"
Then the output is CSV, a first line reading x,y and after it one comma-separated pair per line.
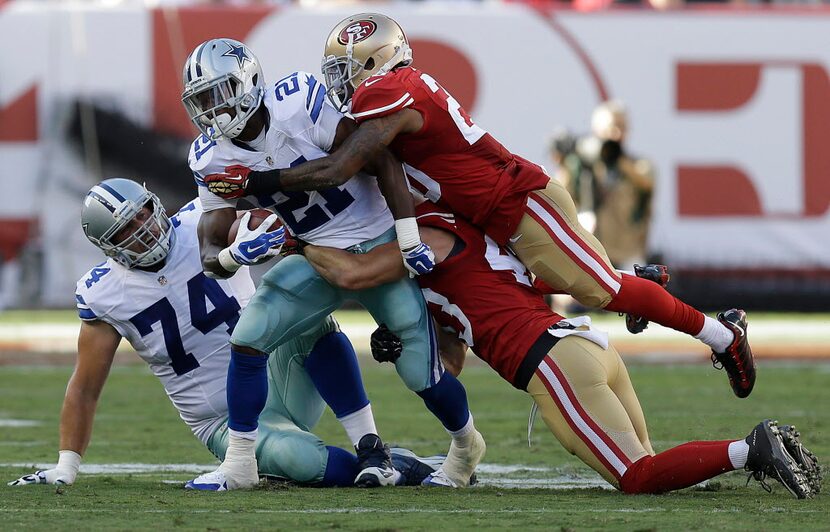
x,y
354,148
97,342
380,266
213,238
360,148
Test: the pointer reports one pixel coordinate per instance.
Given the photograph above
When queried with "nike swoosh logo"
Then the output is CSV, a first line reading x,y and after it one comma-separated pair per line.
x,y
372,82
250,249
515,239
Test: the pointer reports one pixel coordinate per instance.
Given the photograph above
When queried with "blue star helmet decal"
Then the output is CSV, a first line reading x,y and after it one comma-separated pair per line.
x,y
239,53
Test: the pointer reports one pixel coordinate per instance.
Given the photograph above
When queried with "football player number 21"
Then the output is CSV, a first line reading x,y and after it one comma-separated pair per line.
x,y
471,132
200,290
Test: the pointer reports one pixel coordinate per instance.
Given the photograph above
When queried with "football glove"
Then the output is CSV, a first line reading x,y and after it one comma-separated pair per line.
x,y
255,246
419,260
61,475
292,246
386,346
231,184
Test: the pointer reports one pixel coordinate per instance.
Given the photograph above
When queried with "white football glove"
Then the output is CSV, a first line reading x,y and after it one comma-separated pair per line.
x,y
62,474
252,246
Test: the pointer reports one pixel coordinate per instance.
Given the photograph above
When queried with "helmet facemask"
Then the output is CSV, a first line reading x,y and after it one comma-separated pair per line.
x,y
339,73
223,87
221,107
345,73
145,246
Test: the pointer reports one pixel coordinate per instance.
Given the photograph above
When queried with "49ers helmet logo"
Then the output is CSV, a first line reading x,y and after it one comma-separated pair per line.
x,y
359,31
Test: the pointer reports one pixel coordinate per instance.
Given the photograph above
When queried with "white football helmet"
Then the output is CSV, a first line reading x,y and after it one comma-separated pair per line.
x,y
223,87
110,206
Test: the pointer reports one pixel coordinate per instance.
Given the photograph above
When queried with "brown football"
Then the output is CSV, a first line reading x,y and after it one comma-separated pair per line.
x,y
257,217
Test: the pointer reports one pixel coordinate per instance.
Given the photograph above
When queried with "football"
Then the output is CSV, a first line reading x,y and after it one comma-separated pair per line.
x,y
257,217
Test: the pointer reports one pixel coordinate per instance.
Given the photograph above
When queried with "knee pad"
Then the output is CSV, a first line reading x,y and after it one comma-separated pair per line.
x,y
296,455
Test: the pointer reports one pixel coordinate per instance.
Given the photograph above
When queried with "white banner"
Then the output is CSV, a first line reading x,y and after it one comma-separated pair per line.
x,y
733,107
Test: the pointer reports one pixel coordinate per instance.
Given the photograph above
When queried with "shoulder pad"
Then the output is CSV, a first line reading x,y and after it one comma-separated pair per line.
x,y
380,96
93,290
300,96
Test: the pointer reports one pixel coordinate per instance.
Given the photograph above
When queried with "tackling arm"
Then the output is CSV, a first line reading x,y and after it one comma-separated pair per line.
x,y
353,148
353,271
382,265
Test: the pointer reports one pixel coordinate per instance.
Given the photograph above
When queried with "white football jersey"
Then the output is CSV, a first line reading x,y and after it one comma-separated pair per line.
x,y
177,319
302,125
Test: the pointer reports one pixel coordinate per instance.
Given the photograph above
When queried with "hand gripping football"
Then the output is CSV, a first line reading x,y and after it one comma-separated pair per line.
x,y
257,217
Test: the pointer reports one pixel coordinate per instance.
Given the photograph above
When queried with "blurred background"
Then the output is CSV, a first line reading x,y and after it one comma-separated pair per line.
x,y
694,134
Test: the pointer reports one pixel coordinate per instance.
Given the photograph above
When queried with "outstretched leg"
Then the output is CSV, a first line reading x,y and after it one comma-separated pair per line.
x,y
567,258
579,389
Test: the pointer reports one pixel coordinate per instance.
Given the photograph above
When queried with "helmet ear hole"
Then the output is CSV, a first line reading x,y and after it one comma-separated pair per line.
x,y
255,79
370,64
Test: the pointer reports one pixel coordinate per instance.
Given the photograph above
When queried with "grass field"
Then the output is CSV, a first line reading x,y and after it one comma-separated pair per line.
x,y
137,425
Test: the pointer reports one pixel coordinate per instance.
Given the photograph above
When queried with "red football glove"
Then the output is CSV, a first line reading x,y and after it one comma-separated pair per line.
x,y
292,245
231,184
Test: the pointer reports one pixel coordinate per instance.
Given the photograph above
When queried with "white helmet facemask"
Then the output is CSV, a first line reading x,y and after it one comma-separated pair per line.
x,y
223,87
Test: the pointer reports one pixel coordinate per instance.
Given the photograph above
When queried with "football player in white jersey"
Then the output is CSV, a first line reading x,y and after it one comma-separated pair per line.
x,y
262,129
152,291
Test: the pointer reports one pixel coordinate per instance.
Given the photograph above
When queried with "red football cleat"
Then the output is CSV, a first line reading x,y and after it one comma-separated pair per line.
x,y
737,359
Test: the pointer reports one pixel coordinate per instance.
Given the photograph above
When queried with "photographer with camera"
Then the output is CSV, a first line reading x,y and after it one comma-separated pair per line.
x,y
611,188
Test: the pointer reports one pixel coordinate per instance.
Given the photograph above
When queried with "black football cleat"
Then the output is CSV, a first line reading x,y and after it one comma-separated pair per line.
x,y
737,359
653,272
768,458
805,459
374,462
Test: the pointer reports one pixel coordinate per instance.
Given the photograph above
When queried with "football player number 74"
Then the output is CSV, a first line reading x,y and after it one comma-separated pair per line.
x,y
462,120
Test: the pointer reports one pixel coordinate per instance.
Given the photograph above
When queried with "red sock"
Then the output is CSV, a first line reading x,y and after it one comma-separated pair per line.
x,y
649,300
677,468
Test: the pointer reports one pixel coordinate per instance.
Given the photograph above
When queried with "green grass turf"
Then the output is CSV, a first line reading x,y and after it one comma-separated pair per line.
x,y
136,423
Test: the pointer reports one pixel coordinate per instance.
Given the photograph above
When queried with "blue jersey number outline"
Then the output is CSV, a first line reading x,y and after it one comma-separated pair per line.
x,y
287,86
95,275
200,289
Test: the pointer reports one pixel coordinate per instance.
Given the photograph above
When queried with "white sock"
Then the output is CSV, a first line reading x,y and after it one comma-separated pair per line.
x,y
358,424
464,433
738,451
241,445
715,334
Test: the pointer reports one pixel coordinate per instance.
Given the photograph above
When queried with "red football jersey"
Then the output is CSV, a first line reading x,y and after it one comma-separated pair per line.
x,y
485,295
451,160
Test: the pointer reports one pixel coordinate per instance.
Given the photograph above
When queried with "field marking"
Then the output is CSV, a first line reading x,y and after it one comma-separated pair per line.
x,y
15,423
359,510
489,475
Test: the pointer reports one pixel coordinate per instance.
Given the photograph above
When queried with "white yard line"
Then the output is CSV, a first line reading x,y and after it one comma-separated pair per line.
x,y
314,511
494,475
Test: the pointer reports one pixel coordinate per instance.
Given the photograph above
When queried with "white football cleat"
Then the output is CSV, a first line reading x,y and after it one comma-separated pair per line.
x,y
213,481
439,479
231,475
460,464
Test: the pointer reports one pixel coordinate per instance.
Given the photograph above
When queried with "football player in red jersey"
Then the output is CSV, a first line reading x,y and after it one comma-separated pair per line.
x,y
482,294
459,166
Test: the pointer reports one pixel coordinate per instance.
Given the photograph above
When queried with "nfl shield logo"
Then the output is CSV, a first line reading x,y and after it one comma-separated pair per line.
x,y
162,280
